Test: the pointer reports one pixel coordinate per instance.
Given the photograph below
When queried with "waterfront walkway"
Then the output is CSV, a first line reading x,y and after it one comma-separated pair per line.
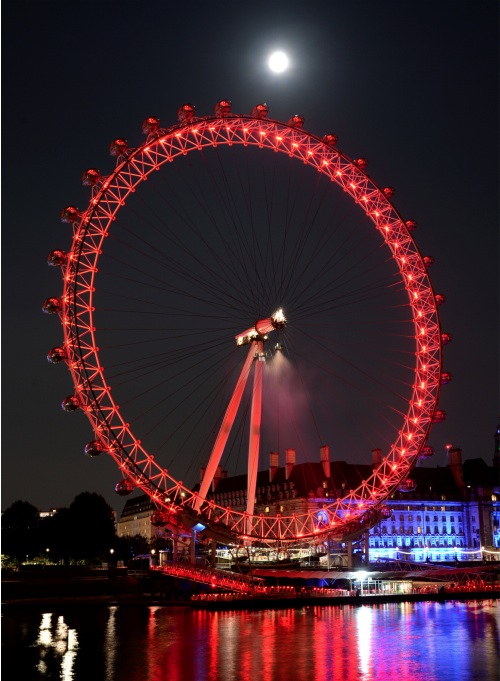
x,y
218,579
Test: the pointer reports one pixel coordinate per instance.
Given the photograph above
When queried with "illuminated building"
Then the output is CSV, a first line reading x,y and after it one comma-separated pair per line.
x,y
451,513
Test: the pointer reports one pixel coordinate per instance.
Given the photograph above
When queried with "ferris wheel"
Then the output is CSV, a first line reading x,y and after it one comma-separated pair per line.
x,y
238,284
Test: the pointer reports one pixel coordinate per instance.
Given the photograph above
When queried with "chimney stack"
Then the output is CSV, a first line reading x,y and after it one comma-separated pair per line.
x,y
324,457
217,477
289,462
456,467
376,457
273,464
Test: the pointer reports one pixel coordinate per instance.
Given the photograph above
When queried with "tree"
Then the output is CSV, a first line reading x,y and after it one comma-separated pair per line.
x,y
54,532
91,527
20,536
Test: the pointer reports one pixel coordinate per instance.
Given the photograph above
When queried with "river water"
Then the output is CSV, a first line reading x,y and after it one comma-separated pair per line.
x,y
451,641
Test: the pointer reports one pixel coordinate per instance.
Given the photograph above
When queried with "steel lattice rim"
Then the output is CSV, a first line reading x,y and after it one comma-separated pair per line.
x,y
82,352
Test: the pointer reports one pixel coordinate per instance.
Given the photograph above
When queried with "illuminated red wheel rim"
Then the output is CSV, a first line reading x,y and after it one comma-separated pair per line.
x,y
132,265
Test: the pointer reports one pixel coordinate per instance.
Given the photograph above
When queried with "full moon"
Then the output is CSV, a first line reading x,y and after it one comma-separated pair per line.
x,y
278,62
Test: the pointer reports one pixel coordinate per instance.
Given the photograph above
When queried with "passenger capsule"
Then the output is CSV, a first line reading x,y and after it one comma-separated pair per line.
x,y
260,111
52,305
69,214
410,225
56,355
118,147
185,113
428,260
389,191
151,124
361,162
446,378
159,519
70,403
426,452
223,108
439,416
93,448
385,512
446,338
440,298
407,485
330,139
296,121
56,258
124,487
90,177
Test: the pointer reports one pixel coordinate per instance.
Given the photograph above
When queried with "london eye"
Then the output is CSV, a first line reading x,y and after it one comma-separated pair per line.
x,y
238,286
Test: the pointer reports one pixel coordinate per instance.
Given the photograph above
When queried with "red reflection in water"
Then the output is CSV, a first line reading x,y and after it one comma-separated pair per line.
x,y
352,643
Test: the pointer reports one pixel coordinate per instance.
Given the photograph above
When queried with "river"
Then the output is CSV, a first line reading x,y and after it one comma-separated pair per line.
x,y
428,641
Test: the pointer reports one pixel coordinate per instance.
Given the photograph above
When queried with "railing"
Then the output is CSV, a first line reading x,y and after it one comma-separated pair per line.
x,y
220,579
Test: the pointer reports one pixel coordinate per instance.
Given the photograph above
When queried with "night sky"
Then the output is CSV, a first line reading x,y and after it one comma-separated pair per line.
x,y
412,86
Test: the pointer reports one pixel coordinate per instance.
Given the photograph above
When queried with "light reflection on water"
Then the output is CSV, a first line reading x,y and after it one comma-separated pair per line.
x,y
393,642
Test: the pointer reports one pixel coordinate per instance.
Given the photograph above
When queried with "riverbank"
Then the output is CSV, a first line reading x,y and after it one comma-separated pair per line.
x,y
298,601
117,587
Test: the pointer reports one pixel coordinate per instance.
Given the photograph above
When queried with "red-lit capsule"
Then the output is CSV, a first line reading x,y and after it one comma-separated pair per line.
x,y
439,416
56,355
124,487
440,299
93,448
260,111
389,191
446,378
446,338
118,147
51,305
90,177
185,113
407,485
56,258
361,162
69,214
223,108
70,403
427,452
330,139
296,121
410,225
428,260
151,124
159,519
385,512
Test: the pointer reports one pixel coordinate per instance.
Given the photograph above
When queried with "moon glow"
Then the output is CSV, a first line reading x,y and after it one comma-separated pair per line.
x,y
278,62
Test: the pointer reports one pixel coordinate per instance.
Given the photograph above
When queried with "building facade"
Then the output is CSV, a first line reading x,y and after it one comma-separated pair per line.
x,y
451,515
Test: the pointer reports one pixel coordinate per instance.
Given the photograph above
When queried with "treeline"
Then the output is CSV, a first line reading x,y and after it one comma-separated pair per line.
x,y
84,534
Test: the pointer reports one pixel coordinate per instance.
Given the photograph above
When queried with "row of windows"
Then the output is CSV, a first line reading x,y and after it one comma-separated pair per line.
x,y
418,530
409,542
435,518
